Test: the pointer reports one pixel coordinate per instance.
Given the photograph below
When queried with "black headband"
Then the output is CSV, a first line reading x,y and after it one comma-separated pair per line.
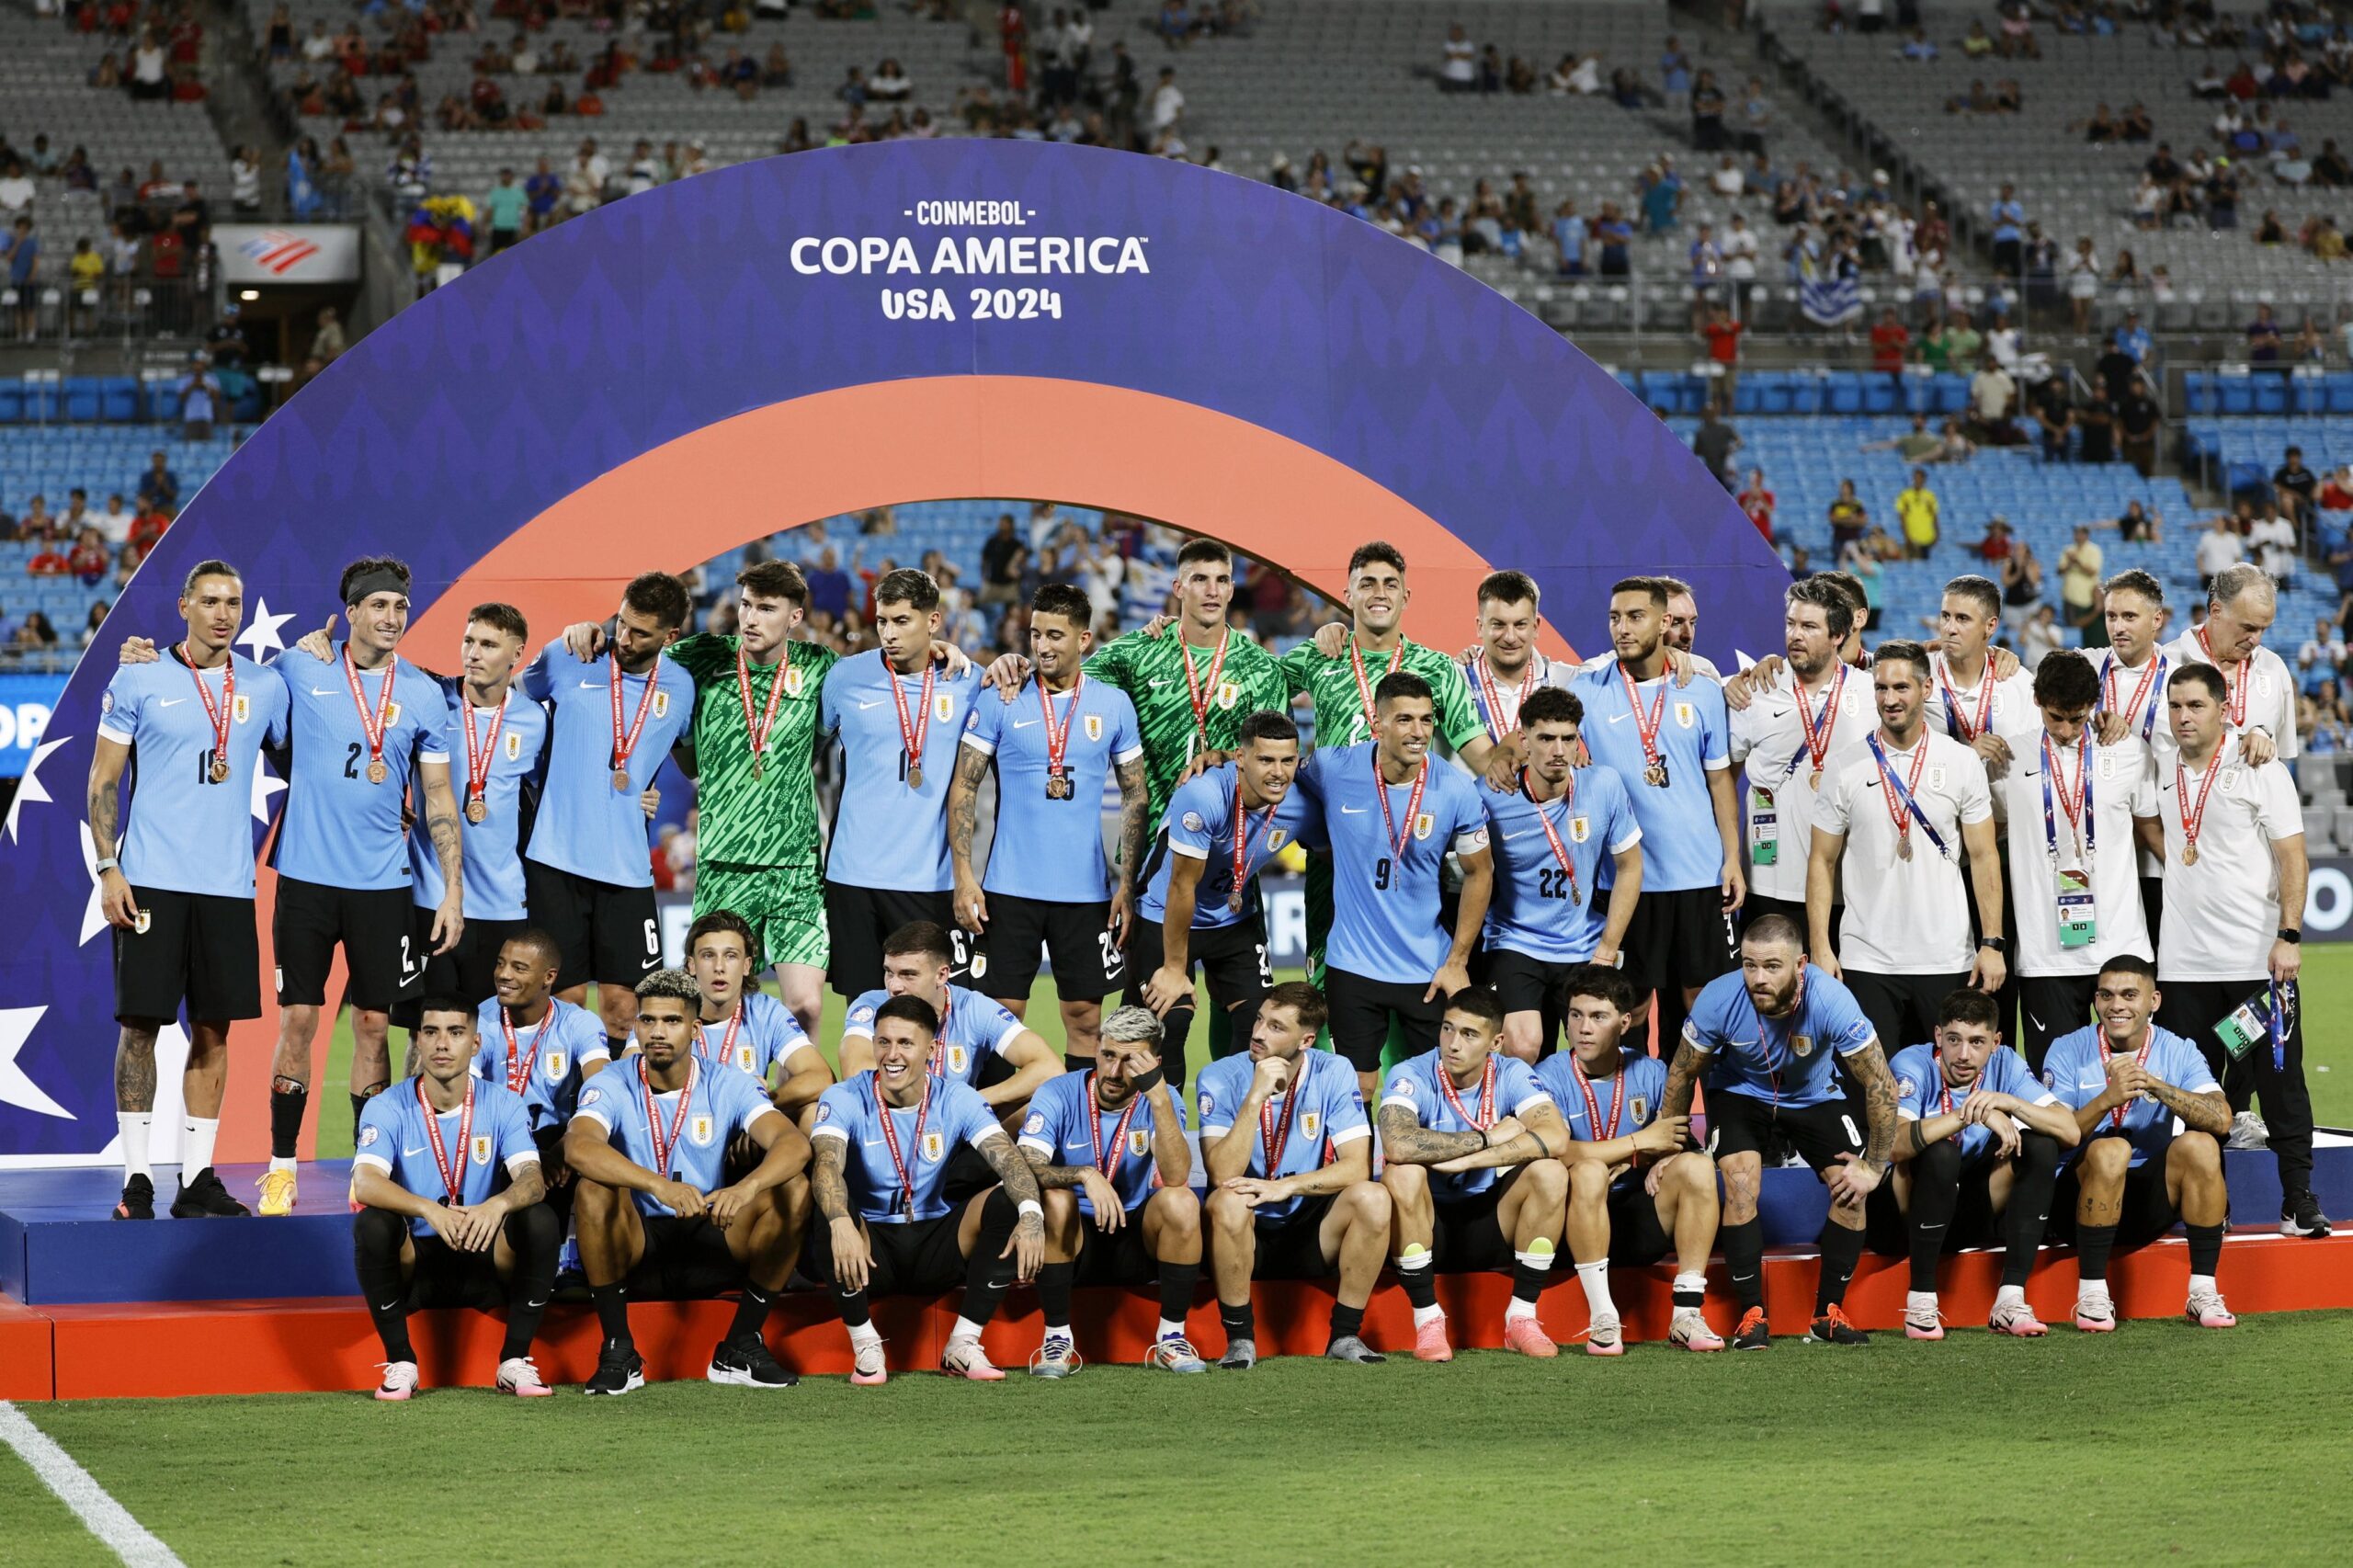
x,y
379,580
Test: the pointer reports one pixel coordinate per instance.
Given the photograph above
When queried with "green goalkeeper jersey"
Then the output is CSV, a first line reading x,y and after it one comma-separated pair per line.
x,y
767,817
1343,716
1152,672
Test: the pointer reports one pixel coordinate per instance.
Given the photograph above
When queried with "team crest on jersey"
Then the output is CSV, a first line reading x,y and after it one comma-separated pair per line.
x,y
825,1112
1228,693
242,706
481,1148
1139,1142
792,681
514,746
1685,715
1276,838
1935,779
701,1128
554,1062
1580,828
1209,1105
1036,1124
661,703
1423,824
1905,1089
1094,726
141,921
1193,822
958,1059
1311,1123
980,965
744,1057
1802,1044
943,708
935,1147
589,1097
1641,1109
392,714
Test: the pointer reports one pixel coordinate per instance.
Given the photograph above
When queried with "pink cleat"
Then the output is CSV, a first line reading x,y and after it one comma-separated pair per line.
x,y
519,1376
965,1358
2095,1316
1429,1342
1691,1332
400,1379
1603,1336
2018,1320
867,1369
2206,1310
1923,1323
1528,1336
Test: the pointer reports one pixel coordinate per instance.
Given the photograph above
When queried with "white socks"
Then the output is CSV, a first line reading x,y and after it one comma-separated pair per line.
x,y
864,1334
1518,1309
965,1329
1920,1301
1170,1330
1428,1314
2203,1285
2096,1290
198,1134
135,1125
1595,1277
2009,1296
282,1162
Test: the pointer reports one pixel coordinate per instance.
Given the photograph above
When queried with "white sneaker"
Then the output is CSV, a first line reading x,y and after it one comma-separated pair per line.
x,y
1604,1337
866,1366
400,1379
2247,1131
2207,1311
518,1375
1057,1357
965,1358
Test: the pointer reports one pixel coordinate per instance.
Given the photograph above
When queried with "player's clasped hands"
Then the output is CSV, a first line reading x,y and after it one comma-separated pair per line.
x,y
682,1199
467,1228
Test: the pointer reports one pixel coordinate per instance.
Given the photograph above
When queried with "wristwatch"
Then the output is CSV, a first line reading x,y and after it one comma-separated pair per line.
x,y
108,864
2291,933
1998,943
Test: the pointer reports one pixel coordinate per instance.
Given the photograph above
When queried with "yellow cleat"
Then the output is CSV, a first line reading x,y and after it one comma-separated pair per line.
x,y
277,1194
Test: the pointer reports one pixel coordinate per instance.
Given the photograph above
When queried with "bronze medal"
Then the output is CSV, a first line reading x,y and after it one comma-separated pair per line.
x,y
1058,787
477,808
1816,781
1656,775
759,766
2189,855
220,770
378,772
915,776
620,780
1903,845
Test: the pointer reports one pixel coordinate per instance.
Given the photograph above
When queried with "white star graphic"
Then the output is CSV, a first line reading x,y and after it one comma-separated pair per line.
x,y
264,788
93,919
29,789
16,1088
262,635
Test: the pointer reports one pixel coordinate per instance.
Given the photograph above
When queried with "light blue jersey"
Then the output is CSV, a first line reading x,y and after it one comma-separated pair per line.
x,y
888,834
1384,898
549,1056
340,830
1200,827
1299,1130
181,830
1540,908
493,846
1681,848
1779,1060
481,1150
757,1034
1921,1092
973,1028
696,1123
1049,843
1506,1086
1068,1127
1599,1110
2073,1070
926,1133
585,825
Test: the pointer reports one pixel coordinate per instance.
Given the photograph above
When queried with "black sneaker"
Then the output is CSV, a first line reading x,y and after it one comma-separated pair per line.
x,y
2301,1216
744,1361
620,1369
138,1200
206,1198
1831,1328
1752,1333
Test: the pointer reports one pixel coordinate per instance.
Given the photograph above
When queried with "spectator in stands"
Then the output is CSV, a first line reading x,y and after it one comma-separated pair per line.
x,y
1569,232
1614,235
2038,635
2002,343
2273,540
584,182
114,523
159,486
1714,443
1723,335
1998,543
2264,346
541,192
1919,444
50,561
2296,487
2083,274
1167,103
829,585
1708,114
2079,574
1888,342
35,634
95,622
1002,558
1756,502
2337,491
2331,168
1675,72
1917,509
1848,518
200,398
89,561
24,265
1660,192
1992,403
2138,422
149,69
2317,660
2054,417
1756,118
2220,548
17,192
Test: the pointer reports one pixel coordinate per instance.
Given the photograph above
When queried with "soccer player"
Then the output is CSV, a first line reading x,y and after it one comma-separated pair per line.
x,y
2241,603
648,1146
899,714
741,1026
1670,746
1199,904
1292,1196
588,881
539,1046
1635,1193
2127,1080
1472,1144
1683,626
1047,887
917,959
2068,802
2232,834
1977,1156
2133,694
175,880
1548,837
435,1225
1890,825
342,855
1771,1033
1107,1147
1506,669
1392,818
1968,700
883,1140
1786,736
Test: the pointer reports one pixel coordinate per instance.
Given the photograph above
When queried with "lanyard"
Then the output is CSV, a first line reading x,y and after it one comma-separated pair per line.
x,y
1413,805
890,1141
1646,728
370,725
1552,836
1775,1062
2277,1024
520,1062
1817,727
2238,683
1058,741
1242,836
1364,684
1202,692
1119,1131
453,1185
1273,1137
1944,1092
624,744
1616,1097
727,1036
2139,1058
2153,673
2076,803
664,1144
2193,820
1901,804
911,731
1964,730
1497,724
1486,1113
479,761
219,717
759,729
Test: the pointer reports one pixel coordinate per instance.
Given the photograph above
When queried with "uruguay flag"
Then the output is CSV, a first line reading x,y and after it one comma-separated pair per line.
x,y
1827,292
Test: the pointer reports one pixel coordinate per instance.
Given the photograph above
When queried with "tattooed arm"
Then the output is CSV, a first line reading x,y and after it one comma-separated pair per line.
x,y
441,822
828,1178
963,812
1028,1247
1682,1075
1856,1180
1406,1141
1133,798
105,802
2200,1113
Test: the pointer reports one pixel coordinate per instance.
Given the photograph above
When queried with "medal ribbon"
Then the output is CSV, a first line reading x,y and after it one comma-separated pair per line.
x,y
1486,1115
1241,838
520,1062
727,1038
1413,805
1119,1131
2238,683
452,1185
890,1141
1817,730
1592,1101
2078,808
2153,674
1495,724
1544,821
2139,1057
1364,684
1201,692
219,717
911,731
1273,1138
1646,728
625,743
1057,743
478,766
1960,728
758,730
370,725
664,1145
1944,1092
1900,803
2191,821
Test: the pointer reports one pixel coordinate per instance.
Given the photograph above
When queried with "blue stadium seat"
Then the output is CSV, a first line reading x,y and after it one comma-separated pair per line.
x,y
1843,392
120,395
2270,393
2339,384
1805,393
2200,387
2237,393
12,401
162,400
82,399
1776,391
1879,393
1952,393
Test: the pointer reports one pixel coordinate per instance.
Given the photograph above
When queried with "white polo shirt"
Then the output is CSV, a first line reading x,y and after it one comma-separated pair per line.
x,y
2123,785
2263,692
2222,915
2009,712
1769,740
1904,916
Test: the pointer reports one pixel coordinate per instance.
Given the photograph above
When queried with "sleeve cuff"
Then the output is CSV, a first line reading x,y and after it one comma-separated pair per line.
x,y
593,1115
432,756
1627,843
119,737
1405,1100
1124,757
831,1130
1349,1135
516,1162
987,748
373,1161
1189,851
1036,1146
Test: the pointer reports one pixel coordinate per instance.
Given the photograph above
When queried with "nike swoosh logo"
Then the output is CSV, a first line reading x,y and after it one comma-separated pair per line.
x,y
1620,718
1026,724
1160,681
535,1306
864,706
870,1143
388,1306
412,1154
593,686
1352,811
2035,1022
321,691
169,701
1523,833
650,963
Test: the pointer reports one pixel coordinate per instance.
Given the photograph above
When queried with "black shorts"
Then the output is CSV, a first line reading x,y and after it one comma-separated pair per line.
x,y
2148,1212
1902,1008
1088,965
1679,938
1636,1238
1361,1009
860,920
2053,1005
685,1260
918,1258
1975,1222
1121,1258
464,971
1524,984
1466,1234
605,932
1743,1124
1291,1249
1233,960
372,926
188,947
444,1277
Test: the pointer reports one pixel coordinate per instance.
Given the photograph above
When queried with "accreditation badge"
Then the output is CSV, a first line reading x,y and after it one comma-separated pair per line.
x,y
2078,911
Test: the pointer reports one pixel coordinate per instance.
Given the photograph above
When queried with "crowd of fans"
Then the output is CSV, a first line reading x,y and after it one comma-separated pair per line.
x,y
97,545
